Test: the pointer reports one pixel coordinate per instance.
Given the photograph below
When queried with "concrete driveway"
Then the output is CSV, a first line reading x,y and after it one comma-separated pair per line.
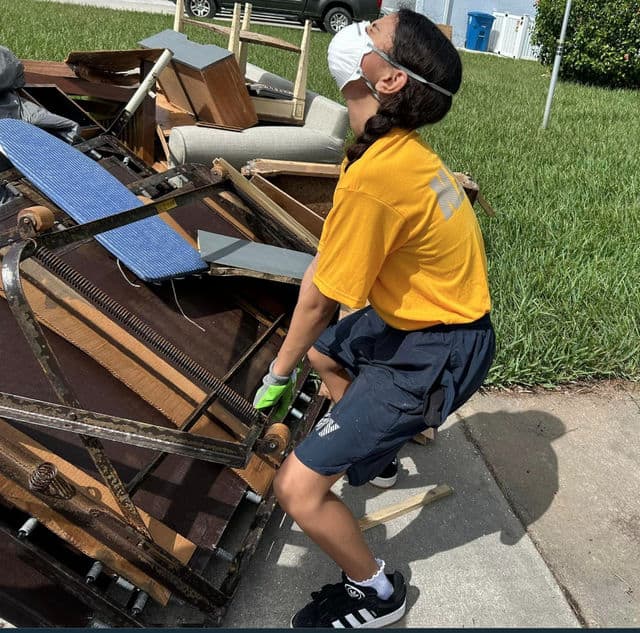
x,y
541,531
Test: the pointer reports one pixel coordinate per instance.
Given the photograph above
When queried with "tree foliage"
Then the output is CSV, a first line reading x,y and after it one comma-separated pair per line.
x,y
602,46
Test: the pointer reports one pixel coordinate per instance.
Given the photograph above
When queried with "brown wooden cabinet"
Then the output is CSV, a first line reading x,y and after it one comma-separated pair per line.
x,y
205,80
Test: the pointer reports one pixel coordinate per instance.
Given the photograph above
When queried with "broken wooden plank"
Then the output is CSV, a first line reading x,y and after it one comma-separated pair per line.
x,y
246,36
163,143
446,30
264,166
488,209
220,210
398,509
112,61
298,211
277,213
58,73
426,436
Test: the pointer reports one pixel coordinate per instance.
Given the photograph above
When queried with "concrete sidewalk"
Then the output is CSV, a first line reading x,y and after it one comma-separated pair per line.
x,y
146,6
541,531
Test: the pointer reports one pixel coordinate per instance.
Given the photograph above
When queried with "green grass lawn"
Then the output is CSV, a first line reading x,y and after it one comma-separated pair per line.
x,y
563,249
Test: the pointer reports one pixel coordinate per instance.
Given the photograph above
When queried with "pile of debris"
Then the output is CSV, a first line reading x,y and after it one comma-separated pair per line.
x,y
143,299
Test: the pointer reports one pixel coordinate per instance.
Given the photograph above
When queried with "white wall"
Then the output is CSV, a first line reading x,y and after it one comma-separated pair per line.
x,y
434,9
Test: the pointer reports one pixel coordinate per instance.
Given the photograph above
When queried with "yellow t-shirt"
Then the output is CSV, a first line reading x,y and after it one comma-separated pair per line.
x,y
402,234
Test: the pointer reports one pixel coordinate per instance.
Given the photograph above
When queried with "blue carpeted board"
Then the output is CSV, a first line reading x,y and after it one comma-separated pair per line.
x,y
86,191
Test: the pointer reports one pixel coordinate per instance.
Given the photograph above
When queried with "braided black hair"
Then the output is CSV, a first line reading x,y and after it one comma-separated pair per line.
x,y
420,46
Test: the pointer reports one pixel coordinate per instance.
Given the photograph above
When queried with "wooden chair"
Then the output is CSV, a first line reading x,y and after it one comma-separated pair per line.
x,y
280,106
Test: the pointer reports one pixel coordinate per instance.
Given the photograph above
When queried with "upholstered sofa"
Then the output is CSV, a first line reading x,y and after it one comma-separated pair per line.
x,y
320,139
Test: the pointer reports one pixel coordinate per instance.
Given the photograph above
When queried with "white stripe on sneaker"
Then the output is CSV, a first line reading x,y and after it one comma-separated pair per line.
x,y
336,624
384,620
353,621
366,615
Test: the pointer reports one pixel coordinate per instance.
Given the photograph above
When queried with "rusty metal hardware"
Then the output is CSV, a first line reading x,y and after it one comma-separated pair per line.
x,y
145,435
142,475
44,479
52,569
47,360
17,464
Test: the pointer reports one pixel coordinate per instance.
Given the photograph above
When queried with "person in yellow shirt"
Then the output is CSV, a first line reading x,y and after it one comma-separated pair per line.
x,y
401,237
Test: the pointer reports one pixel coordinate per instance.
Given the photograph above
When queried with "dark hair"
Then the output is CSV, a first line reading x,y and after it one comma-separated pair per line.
x,y
420,46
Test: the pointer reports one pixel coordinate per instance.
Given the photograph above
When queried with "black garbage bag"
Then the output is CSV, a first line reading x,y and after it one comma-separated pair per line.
x,y
13,106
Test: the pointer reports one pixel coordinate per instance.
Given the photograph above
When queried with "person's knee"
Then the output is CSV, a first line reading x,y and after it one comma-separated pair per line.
x,y
289,494
317,359
322,363
299,489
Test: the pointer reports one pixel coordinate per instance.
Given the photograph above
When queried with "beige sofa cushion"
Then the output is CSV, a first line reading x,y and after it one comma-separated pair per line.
x,y
320,139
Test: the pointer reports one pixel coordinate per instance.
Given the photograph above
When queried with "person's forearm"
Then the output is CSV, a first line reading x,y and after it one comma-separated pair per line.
x,y
311,316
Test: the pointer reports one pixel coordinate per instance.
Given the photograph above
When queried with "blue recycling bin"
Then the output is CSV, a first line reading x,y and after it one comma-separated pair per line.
x,y
478,29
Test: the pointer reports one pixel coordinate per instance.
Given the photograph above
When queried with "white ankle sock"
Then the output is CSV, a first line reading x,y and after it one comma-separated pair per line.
x,y
378,581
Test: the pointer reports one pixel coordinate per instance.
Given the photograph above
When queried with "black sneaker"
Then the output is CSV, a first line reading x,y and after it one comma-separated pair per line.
x,y
346,605
388,477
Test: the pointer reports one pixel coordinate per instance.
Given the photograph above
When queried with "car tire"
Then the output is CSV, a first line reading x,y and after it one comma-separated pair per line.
x,y
336,19
200,8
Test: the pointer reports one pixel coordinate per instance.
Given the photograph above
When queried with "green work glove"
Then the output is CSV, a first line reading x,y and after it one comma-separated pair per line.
x,y
276,390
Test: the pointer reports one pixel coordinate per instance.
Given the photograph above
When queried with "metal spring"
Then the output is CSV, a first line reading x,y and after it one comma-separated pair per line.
x,y
42,476
237,404
44,479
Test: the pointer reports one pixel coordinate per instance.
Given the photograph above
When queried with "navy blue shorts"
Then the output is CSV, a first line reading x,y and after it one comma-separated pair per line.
x,y
403,382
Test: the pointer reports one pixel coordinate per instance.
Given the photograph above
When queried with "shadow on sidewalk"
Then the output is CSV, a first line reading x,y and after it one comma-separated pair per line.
x,y
520,449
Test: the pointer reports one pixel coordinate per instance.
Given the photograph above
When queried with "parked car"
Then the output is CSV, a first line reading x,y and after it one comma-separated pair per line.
x,y
329,15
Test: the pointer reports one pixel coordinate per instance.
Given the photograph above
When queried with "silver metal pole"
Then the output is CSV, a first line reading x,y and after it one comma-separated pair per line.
x,y
556,66
146,85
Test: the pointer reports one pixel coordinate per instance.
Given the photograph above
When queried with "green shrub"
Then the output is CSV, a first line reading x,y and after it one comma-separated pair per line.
x,y
603,40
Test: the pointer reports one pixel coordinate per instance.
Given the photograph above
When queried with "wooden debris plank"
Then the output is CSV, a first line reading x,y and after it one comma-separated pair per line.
x,y
245,35
208,26
163,142
223,168
113,61
216,270
446,29
273,42
428,435
300,83
299,212
220,210
51,69
398,509
488,209
58,73
265,166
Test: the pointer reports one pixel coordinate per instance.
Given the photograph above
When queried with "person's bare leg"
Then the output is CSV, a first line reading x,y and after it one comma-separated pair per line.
x,y
306,497
334,375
